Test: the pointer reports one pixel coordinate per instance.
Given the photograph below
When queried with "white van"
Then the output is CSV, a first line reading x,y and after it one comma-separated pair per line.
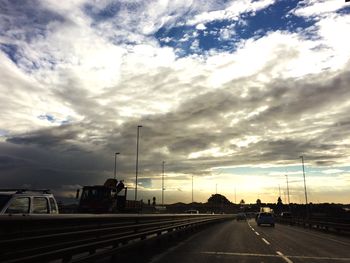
x,y
27,201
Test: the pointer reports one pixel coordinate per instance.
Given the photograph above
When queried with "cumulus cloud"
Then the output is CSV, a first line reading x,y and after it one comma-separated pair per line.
x,y
311,8
232,11
76,84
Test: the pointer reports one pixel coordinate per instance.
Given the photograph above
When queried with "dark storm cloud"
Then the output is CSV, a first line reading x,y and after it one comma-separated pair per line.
x,y
289,102
8,162
50,137
198,124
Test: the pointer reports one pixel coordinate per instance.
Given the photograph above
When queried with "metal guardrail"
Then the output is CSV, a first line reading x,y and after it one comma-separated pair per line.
x,y
343,228
78,238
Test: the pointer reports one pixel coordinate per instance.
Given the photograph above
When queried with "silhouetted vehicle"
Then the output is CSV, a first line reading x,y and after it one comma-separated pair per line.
x,y
27,201
241,216
107,198
286,215
265,218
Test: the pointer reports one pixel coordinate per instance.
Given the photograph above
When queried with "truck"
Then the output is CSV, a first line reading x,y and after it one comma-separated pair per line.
x,y
111,197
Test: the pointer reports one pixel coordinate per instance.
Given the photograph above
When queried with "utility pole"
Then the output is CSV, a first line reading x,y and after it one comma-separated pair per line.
x,y
302,161
115,165
137,158
163,182
216,188
235,196
288,189
279,190
192,188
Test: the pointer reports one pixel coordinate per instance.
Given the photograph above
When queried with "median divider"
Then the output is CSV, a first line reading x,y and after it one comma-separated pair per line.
x,y
318,224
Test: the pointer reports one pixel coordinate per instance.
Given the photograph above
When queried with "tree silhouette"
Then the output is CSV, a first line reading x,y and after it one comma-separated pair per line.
x,y
218,199
258,202
279,201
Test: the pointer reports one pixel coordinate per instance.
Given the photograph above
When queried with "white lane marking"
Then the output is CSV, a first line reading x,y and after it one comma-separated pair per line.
x,y
320,258
284,257
267,242
239,254
256,233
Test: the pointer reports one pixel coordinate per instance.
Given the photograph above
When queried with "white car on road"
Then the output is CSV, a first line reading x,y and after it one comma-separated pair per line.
x,y
26,201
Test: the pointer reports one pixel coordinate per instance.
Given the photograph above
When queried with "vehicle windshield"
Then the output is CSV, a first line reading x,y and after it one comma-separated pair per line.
x,y
3,200
95,193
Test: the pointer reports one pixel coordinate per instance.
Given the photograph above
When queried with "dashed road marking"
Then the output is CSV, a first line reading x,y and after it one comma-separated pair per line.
x,y
284,257
267,242
256,233
239,254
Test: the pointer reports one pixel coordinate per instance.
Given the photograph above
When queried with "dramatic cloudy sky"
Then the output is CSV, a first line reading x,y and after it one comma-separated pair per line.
x,y
229,92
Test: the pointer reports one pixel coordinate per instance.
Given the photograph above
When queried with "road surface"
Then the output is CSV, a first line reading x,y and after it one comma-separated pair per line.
x,y
245,242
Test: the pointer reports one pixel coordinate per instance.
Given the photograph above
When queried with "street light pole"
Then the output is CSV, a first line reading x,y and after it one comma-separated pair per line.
x,y
115,165
235,196
302,161
288,189
192,188
163,182
279,190
137,158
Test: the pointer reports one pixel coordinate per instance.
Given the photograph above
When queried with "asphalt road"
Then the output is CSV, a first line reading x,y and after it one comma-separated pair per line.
x,y
245,242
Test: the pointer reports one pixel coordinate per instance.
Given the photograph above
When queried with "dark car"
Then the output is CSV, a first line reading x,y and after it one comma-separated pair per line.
x,y
241,216
286,215
265,218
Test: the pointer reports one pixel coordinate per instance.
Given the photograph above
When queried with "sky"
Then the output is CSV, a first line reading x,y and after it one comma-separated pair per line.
x,y
229,94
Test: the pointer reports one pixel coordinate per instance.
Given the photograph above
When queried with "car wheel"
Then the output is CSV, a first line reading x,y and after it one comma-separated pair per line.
x,y
258,224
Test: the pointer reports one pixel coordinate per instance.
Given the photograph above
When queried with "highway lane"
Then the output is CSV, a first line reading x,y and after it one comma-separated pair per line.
x,y
305,245
245,242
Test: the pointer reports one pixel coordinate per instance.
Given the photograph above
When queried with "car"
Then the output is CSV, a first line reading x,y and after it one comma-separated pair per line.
x,y
286,215
27,201
241,216
265,218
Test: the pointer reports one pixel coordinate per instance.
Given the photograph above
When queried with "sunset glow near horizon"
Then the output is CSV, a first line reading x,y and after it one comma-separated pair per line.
x,y
229,92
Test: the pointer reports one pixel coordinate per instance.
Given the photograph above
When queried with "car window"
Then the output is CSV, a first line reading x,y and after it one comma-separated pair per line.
x,y
53,205
3,200
40,205
266,214
19,205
